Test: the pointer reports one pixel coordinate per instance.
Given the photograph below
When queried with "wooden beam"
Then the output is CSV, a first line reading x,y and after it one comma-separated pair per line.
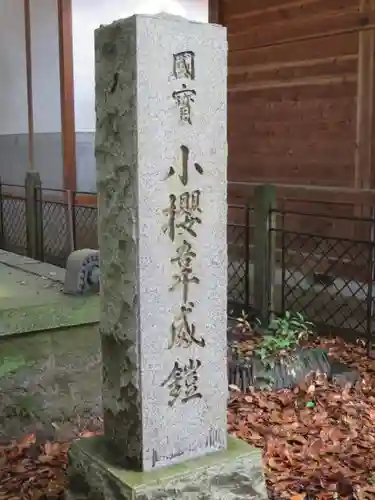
x,y
214,11
364,172
243,191
68,132
29,84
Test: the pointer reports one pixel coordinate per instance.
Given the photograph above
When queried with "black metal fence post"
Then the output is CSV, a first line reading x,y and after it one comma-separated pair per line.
x,y
34,216
39,222
370,298
265,203
247,257
271,269
283,263
69,216
74,221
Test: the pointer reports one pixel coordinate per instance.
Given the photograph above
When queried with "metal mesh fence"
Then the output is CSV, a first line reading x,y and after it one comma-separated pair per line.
x,y
55,232
85,226
326,272
239,256
13,218
327,278
67,226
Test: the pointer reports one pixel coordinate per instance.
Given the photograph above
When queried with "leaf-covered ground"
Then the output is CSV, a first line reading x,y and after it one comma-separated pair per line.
x,y
32,470
318,438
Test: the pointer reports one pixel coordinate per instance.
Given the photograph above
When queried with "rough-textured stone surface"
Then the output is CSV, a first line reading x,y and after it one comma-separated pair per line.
x,y
140,146
278,372
234,474
284,372
82,272
342,374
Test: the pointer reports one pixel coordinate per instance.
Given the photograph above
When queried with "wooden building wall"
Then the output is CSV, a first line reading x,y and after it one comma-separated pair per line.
x,y
300,112
301,82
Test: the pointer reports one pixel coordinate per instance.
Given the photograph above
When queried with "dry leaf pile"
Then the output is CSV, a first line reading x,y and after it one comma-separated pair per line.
x,y
318,438
32,471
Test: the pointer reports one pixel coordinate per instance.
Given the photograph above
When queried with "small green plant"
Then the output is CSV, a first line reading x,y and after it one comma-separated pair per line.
x,y
284,334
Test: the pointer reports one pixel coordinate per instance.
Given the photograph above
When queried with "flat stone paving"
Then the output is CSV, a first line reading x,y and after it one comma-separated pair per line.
x,y
31,297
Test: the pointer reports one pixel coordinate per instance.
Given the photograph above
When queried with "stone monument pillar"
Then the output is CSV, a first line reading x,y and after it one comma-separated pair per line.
x,y
161,149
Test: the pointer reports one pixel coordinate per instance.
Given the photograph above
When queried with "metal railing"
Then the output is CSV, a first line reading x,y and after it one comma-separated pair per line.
x,y
319,264
240,283
13,218
70,224
327,277
85,221
67,222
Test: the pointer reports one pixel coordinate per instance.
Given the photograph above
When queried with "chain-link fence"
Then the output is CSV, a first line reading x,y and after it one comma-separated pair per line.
x,y
56,241
67,222
319,264
239,258
85,220
13,218
326,269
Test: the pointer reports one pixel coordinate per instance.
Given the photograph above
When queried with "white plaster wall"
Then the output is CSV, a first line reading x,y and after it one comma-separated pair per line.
x,y
45,65
14,147
13,93
90,14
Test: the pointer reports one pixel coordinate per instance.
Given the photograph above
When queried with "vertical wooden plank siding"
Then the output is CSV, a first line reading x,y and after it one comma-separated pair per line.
x,y
292,90
214,7
364,171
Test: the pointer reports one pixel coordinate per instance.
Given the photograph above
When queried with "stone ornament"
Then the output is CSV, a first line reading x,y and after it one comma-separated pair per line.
x,y
82,272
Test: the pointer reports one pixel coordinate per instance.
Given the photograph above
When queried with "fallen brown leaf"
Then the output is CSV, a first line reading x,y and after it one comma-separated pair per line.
x,y
327,450
309,453
23,477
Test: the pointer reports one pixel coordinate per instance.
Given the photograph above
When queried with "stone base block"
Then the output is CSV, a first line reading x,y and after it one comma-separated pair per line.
x,y
233,474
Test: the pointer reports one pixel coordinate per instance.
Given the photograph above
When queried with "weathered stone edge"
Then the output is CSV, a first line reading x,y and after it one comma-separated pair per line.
x,y
242,372
86,476
69,312
41,269
88,469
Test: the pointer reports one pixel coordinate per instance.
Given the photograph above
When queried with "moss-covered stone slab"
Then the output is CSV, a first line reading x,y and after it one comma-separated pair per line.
x,y
233,474
31,298
32,266
61,314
